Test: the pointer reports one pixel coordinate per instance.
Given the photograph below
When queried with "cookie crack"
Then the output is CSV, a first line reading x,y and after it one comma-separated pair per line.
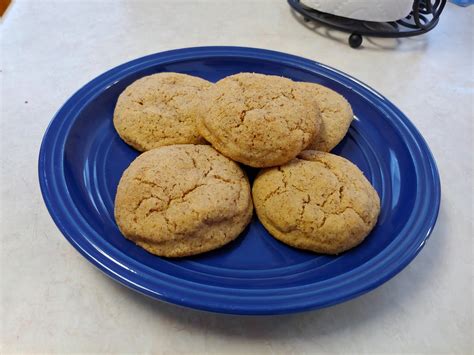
x,y
146,182
169,223
323,222
339,194
206,173
191,157
242,116
290,95
151,211
236,201
306,201
297,188
283,177
187,192
272,193
149,198
367,223
223,179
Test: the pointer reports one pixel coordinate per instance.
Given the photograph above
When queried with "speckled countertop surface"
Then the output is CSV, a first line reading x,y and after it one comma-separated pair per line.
x,y
53,300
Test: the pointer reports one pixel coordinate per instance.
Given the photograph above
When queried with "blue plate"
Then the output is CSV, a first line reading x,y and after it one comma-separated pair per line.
x,y
82,158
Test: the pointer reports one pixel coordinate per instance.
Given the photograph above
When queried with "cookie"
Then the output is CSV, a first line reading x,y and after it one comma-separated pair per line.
x,y
157,110
318,201
182,200
259,120
336,116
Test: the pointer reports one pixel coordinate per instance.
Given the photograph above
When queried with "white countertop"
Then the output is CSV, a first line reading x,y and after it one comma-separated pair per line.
x,y
53,300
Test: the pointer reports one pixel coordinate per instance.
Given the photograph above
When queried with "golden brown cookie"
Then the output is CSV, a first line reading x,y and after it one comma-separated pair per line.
x,y
158,110
318,201
182,200
336,116
259,120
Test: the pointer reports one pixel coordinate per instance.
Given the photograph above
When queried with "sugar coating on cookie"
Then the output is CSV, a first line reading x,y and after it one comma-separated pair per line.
x,y
259,120
318,201
336,117
182,200
158,110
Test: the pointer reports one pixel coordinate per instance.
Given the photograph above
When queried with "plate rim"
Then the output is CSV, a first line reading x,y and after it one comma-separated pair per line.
x,y
206,300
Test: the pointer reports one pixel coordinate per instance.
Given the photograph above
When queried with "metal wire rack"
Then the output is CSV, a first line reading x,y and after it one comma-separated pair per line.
x,y
423,18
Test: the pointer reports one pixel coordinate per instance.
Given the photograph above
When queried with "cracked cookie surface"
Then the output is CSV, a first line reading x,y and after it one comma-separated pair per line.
x,y
336,116
259,120
182,200
158,110
318,201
